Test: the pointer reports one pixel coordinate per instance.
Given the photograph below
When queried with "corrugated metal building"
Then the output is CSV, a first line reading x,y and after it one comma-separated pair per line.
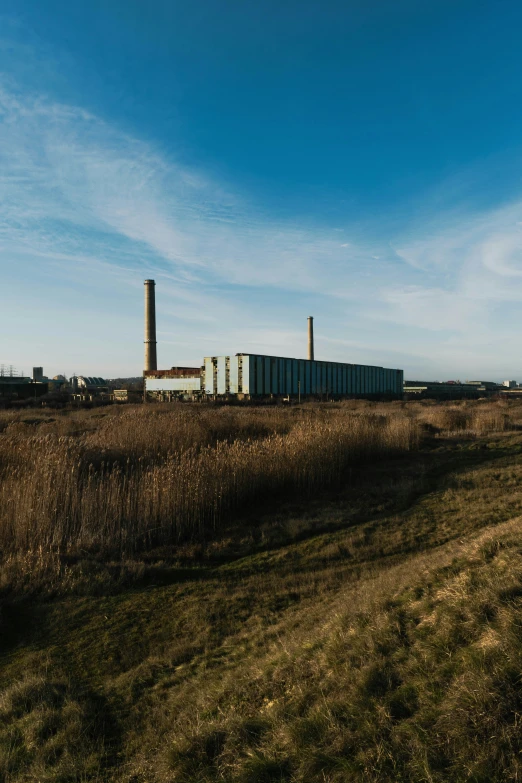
x,y
254,375
248,376
91,383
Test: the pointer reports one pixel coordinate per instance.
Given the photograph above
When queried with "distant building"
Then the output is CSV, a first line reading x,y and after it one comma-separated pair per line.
x,y
56,383
38,374
491,385
510,384
19,387
120,395
178,382
91,383
450,389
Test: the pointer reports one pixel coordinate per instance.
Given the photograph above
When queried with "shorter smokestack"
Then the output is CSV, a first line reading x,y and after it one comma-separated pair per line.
x,y
151,362
310,338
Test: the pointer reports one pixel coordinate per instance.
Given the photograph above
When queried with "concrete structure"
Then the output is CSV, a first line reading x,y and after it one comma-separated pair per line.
x,y
120,395
510,384
310,338
151,361
176,383
38,375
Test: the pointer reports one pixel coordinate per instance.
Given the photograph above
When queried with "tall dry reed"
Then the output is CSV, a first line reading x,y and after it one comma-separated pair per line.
x,y
477,419
145,477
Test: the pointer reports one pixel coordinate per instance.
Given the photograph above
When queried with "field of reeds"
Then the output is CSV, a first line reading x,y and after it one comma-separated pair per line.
x,y
124,480
339,601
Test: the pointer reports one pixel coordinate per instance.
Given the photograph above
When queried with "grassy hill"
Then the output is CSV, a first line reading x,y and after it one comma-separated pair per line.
x,y
368,630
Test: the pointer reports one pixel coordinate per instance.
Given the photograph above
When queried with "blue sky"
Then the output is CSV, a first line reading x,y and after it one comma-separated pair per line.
x,y
358,161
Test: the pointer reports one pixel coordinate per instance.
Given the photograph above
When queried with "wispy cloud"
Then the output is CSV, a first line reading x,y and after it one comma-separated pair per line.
x,y
71,182
81,198
478,259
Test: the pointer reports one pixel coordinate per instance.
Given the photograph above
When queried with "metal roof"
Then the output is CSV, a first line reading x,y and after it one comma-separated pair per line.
x,y
92,380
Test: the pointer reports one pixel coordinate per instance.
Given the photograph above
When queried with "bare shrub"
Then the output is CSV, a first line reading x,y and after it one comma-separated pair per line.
x,y
449,419
479,419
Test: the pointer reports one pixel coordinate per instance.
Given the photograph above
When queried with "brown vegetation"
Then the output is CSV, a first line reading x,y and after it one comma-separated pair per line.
x,y
364,629
146,476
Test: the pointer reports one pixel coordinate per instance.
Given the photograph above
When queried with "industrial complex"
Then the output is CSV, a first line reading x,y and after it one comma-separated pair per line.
x,y
241,377
457,390
248,376
15,386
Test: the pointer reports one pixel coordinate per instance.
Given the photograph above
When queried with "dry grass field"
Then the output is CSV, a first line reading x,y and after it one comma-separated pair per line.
x,y
321,593
122,482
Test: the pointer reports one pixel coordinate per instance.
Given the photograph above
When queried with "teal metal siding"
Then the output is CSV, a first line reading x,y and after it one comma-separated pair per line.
x,y
295,376
281,376
267,387
274,376
259,375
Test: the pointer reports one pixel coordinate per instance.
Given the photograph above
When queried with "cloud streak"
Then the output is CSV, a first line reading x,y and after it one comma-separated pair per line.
x,y
81,198
67,174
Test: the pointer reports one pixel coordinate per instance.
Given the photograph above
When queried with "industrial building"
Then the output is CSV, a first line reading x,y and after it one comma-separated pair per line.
x,y
56,383
91,384
20,387
248,376
178,382
254,375
450,390
86,388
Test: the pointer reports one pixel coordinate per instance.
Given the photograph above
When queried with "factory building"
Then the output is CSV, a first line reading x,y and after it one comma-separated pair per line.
x,y
254,375
248,376
91,384
178,382
19,387
451,390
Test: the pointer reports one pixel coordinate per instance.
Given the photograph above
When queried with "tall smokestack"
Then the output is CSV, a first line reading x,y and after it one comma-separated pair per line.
x,y
310,338
151,361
